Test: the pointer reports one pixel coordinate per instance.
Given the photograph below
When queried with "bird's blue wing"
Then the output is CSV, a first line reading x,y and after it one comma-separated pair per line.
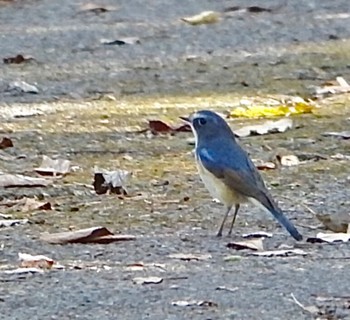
x,y
243,177
235,169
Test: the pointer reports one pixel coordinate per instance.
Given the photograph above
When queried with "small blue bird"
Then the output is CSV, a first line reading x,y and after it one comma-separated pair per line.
x,y
228,172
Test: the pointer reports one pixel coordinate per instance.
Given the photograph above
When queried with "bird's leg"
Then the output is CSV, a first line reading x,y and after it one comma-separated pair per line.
x,y
223,221
234,218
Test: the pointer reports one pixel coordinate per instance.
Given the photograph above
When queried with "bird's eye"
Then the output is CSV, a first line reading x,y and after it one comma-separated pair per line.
x,y
202,121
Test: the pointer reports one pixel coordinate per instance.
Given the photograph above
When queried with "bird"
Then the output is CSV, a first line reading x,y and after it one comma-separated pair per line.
x,y
228,172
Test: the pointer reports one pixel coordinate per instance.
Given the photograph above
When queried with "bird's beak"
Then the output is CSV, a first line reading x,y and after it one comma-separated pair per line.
x,y
185,119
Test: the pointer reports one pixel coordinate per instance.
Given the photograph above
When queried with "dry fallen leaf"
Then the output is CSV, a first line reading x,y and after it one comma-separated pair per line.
x,y
330,237
189,303
147,280
251,9
30,204
258,234
289,160
281,125
53,167
96,8
21,86
112,181
264,165
223,288
205,17
190,256
158,126
89,235
121,41
6,143
340,86
336,222
343,134
17,180
273,107
11,223
17,59
38,261
254,244
280,253
23,271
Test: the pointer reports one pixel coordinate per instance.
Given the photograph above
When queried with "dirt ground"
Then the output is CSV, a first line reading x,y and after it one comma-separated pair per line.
x,y
93,99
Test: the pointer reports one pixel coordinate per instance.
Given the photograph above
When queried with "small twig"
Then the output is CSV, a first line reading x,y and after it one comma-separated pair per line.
x,y
309,209
296,301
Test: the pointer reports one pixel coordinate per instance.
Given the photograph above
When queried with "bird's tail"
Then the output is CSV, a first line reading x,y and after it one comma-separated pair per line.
x,y
284,221
269,205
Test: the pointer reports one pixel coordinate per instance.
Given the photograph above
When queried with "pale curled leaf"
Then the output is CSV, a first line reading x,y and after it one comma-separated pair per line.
x,y
254,244
38,261
258,234
147,280
342,134
280,253
14,222
89,235
30,204
112,181
189,303
223,288
17,180
23,271
269,126
22,86
205,17
289,160
53,167
190,256
330,237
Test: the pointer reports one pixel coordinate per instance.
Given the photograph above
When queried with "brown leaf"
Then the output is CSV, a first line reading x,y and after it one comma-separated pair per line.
x,y
254,244
53,167
30,204
90,235
190,256
158,126
6,143
17,59
336,222
17,180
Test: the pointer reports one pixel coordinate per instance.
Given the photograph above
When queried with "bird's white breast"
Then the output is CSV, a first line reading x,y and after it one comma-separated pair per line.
x,y
217,188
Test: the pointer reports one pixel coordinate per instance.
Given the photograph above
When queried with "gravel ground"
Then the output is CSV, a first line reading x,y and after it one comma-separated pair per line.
x,y
297,45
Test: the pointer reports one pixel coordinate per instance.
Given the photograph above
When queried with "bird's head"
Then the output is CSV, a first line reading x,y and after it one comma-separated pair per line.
x,y
207,125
